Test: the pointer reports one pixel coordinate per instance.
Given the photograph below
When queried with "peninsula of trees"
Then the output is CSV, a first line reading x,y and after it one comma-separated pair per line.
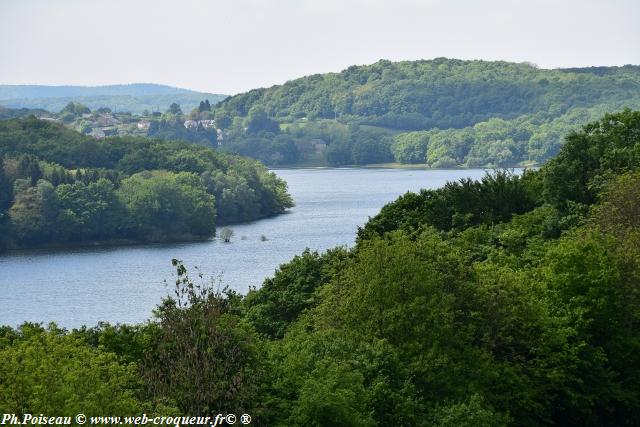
x,y
60,187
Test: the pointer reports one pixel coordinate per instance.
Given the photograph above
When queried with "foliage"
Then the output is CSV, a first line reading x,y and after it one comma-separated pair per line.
x,y
58,186
167,204
204,357
458,205
226,234
283,298
466,113
442,93
483,303
599,150
45,371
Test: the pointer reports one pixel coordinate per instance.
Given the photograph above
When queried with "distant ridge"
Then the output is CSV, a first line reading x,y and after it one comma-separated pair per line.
x,y
46,91
134,97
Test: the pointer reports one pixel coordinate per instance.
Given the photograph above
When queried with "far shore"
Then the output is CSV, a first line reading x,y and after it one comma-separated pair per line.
x,y
394,165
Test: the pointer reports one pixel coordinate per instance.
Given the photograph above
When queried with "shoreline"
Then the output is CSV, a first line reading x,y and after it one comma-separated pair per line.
x,y
401,166
130,242
113,243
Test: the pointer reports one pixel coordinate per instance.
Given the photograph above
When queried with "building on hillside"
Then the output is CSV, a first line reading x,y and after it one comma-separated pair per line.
x,y
207,124
97,133
107,120
190,124
143,124
102,132
110,131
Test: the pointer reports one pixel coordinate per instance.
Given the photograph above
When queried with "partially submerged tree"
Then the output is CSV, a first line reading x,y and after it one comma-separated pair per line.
x,y
226,234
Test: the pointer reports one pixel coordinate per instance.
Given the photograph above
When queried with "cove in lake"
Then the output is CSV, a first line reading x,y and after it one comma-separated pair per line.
x,y
82,286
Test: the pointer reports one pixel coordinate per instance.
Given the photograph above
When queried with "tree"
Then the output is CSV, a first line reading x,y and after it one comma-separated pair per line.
x,y
204,106
258,121
292,290
29,168
85,206
168,205
6,188
47,372
223,119
88,211
34,212
600,148
203,357
226,234
175,109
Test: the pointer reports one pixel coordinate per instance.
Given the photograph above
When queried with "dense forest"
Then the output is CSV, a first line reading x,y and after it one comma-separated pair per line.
x,y
468,113
512,300
58,186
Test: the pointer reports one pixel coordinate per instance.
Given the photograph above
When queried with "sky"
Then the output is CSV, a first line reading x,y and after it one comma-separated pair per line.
x,y
231,46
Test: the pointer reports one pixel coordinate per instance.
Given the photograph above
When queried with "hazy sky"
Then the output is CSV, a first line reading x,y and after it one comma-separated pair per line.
x,y
228,46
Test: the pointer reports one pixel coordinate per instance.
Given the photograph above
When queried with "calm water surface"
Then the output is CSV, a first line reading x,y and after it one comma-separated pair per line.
x,y
123,284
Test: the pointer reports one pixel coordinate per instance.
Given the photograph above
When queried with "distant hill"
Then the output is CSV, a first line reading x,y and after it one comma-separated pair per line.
x,y
440,93
135,97
440,112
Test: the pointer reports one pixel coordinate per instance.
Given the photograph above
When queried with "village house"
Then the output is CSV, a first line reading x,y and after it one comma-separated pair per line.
x,y
107,120
207,124
103,132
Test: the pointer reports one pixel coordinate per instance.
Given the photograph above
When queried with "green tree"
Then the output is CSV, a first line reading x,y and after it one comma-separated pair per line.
x,y
175,109
259,121
89,211
168,205
34,212
604,147
6,188
282,299
62,376
204,357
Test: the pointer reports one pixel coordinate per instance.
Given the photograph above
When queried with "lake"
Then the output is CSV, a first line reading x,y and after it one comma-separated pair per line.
x,y
82,286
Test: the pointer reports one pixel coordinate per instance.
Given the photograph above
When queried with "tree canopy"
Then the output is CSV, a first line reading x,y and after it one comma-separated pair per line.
x,y
58,186
448,112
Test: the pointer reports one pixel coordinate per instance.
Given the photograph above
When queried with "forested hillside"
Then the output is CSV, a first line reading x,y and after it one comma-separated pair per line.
x,y
477,113
509,301
58,186
11,113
